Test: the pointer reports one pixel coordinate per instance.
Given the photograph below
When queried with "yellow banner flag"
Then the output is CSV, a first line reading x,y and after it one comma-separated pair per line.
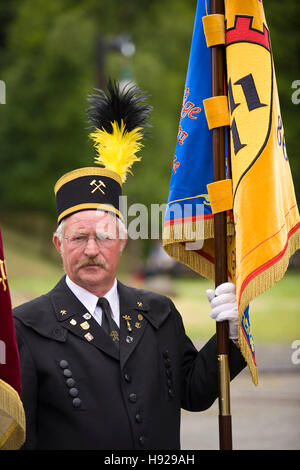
x,y
266,216
258,194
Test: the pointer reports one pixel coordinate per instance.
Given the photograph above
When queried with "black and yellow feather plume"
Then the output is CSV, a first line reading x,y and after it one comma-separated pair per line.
x,y
118,118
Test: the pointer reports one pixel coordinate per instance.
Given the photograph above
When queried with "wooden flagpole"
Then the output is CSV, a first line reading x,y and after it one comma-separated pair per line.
x,y
218,144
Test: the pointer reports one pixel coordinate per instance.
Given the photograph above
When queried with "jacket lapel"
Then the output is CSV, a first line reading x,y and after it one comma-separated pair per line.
x,y
132,321
138,309
136,312
72,315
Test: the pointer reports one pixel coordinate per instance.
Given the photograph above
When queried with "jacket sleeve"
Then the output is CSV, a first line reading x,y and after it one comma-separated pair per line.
x,y
199,370
29,386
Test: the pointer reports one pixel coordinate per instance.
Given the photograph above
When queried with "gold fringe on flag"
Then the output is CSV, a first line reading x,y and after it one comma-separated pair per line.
x,y
199,260
12,422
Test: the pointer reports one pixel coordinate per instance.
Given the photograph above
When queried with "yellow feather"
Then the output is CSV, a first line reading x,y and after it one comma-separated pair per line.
x,y
117,151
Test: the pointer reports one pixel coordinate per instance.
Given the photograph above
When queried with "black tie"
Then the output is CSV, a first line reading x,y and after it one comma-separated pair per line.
x,y
108,324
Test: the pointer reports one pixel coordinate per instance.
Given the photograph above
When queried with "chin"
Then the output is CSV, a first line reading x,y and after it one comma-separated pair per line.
x,y
92,279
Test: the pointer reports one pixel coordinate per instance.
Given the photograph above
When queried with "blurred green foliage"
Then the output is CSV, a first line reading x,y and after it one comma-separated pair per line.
x,y
48,62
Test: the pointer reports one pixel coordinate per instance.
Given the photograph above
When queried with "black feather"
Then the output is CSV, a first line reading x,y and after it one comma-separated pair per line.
x,y
118,105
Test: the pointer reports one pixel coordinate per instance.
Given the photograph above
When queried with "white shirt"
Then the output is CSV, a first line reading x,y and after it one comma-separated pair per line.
x,y
90,300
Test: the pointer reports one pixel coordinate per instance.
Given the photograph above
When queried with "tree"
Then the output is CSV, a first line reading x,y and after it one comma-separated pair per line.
x,y
49,66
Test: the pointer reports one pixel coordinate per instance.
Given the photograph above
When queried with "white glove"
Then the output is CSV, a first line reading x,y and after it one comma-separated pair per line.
x,y
224,307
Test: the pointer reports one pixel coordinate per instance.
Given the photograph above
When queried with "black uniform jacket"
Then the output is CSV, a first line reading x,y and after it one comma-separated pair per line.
x,y
80,392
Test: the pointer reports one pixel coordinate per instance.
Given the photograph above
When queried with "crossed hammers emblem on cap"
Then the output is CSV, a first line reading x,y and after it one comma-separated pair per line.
x,y
97,186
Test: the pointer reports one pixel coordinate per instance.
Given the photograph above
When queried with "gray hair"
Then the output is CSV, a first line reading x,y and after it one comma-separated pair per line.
x,y
60,231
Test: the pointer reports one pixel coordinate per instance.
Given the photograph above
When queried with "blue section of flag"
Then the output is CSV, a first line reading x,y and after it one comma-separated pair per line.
x,y
192,164
245,325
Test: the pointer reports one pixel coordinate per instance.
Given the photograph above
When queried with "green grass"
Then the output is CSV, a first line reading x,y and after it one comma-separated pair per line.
x,y
274,316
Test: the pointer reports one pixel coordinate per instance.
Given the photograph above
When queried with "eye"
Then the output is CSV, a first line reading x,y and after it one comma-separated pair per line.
x,y
78,239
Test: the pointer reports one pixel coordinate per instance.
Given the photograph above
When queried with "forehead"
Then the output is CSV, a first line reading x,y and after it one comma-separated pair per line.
x,y
91,220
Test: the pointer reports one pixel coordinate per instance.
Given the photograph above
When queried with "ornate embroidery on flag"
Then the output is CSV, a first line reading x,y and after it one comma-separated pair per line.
x,y
260,238
266,234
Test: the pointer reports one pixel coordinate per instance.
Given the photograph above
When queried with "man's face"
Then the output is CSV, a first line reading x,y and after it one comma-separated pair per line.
x,y
91,249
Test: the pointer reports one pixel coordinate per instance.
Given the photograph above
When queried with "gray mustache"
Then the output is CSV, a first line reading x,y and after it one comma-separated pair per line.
x,y
93,262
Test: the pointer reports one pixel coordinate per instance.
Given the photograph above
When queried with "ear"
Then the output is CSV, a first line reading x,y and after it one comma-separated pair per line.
x,y
57,243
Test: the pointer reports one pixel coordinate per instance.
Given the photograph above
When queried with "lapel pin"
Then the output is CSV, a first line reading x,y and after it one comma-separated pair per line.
x,y
140,316
85,325
87,316
138,325
115,335
127,318
73,322
129,339
139,304
89,337
63,312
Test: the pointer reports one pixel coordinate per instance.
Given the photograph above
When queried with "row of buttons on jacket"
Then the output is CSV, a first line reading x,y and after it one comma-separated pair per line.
x,y
132,398
169,374
70,382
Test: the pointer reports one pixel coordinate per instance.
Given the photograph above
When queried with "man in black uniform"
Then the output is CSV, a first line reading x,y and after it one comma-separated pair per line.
x,y
106,366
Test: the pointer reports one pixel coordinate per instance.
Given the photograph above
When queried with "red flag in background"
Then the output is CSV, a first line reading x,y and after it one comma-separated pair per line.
x,y
12,418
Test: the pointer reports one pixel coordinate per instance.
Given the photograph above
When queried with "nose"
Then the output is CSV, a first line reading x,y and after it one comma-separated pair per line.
x,y
91,248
